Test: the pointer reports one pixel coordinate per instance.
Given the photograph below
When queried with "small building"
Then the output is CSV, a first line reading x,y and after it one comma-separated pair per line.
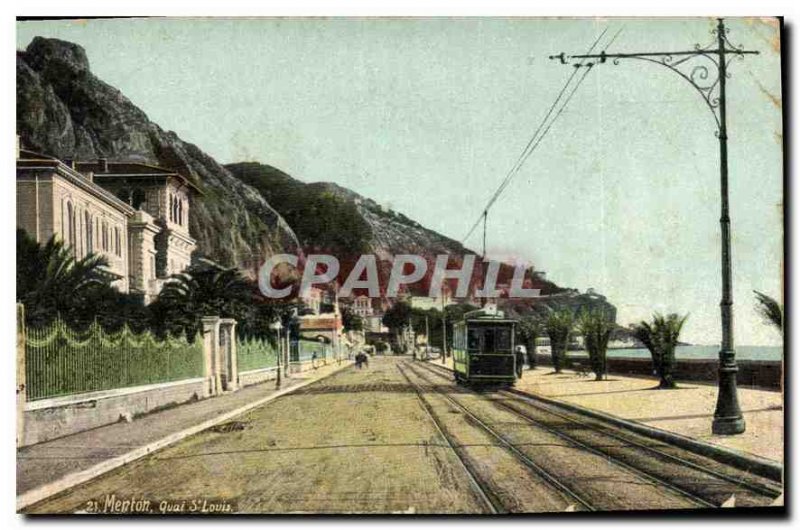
x,y
326,327
430,302
362,306
313,300
374,324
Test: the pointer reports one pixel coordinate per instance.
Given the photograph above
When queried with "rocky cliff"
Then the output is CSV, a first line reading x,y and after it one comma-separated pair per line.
x,y
64,110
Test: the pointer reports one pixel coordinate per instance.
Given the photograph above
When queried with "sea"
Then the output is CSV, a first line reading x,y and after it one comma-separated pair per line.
x,y
751,353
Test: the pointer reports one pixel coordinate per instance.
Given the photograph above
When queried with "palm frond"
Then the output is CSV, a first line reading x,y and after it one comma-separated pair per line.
x,y
769,309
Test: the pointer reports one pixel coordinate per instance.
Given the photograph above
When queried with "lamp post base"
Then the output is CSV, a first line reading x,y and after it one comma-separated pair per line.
x,y
728,417
733,425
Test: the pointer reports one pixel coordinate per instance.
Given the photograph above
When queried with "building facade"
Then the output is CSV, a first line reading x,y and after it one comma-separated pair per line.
x,y
362,306
134,215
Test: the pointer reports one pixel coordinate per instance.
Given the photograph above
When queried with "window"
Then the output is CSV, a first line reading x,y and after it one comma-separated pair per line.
x,y
138,198
70,226
180,213
474,339
89,233
489,342
503,339
117,246
124,195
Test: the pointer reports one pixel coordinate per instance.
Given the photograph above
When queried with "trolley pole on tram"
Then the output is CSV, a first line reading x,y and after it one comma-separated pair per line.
x,y
706,70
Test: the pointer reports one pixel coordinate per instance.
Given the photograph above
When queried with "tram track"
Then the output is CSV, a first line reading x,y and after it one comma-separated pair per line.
x,y
695,478
487,493
689,496
760,487
489,500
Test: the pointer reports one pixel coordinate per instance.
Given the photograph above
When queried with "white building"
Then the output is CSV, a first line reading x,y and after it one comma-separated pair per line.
x,y
135,215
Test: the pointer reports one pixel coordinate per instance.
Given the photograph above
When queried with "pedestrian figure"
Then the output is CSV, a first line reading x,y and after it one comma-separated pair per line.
x,y
361,359
314,360
520,354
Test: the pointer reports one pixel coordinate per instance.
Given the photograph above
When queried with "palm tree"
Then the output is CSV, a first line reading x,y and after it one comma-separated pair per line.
x,y
202,291
596,330
661,338
558,326
643,332
529,330
51,281
668,330
770,310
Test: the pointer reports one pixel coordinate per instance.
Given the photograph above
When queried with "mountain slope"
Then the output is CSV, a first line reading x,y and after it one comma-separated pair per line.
x,y
321,211
63,110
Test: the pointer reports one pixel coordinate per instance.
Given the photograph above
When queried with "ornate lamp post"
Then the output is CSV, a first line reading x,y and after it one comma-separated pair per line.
x,y
276,326
706,70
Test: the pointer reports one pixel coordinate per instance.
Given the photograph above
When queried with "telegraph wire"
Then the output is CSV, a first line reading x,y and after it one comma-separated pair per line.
x,y
534,142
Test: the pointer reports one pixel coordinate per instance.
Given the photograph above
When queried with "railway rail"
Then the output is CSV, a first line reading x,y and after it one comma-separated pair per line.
x,y
706,482
496,505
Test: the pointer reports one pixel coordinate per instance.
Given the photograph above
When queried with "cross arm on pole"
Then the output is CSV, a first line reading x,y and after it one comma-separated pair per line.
x,y
603,56
702,67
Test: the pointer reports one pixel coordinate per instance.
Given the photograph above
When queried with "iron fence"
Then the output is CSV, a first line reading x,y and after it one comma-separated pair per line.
x,y
60,361
255,354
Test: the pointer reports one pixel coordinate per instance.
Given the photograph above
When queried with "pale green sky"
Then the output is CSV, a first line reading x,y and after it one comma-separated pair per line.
x,y
428,115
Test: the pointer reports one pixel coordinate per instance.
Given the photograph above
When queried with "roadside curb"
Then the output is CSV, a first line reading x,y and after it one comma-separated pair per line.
x,y
751,463
73,479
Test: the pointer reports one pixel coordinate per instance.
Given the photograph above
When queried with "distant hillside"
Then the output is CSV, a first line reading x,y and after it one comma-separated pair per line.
x,y
329,217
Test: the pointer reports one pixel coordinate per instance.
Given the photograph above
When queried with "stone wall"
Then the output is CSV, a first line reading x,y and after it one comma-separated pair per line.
x,y
54,418
254,377
764,374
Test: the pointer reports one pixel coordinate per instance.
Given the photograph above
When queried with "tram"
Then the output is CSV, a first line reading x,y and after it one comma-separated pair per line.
x,y
483,348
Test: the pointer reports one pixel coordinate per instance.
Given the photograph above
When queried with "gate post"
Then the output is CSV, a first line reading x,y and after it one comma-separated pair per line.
x,y
21,381
229,362
213,384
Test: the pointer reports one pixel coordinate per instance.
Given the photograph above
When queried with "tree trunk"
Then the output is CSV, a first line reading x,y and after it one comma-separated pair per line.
x,y
532,354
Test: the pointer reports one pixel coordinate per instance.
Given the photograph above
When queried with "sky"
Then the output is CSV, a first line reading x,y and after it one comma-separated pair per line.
x,y
428,115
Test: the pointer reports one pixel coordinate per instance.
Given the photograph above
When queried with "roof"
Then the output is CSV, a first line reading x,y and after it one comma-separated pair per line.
x,y
30,160
106,169
123,168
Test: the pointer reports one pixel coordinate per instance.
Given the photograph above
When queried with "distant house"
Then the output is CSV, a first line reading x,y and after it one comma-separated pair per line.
x,y
313,300
362,306
327,328
135,215
374,324
430,302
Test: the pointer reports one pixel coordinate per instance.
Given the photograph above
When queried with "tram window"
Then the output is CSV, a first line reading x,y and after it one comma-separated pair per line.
x,y
474,340
489,345
503,339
